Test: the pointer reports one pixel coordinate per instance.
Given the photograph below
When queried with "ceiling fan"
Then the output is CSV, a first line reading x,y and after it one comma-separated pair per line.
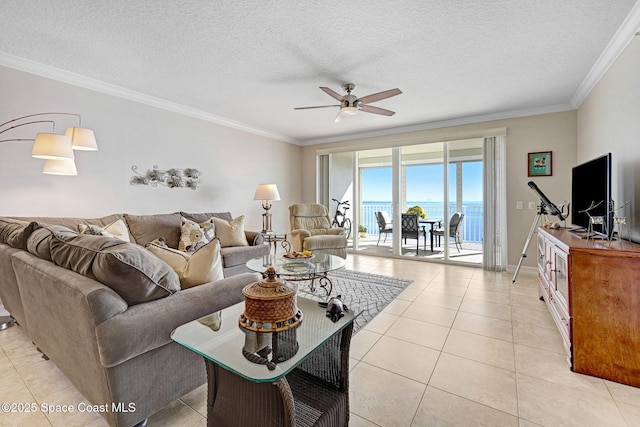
x,y
350,104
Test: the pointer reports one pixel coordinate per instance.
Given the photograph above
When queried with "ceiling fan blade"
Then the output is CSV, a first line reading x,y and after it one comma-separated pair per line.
x,y
318,106
377,110
332,93
339,117
380,95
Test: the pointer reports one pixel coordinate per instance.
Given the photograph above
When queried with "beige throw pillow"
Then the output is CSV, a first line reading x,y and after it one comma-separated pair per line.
x,y
116,229
231,233
193,268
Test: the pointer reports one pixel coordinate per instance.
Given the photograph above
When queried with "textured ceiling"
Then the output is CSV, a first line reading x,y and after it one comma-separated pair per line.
x,y
252,62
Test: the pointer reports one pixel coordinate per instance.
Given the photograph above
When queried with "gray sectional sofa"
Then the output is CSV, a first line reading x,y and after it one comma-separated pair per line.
x,y
102,310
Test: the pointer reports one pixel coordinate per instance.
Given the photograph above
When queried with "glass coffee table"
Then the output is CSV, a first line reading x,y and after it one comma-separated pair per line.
x,y
314,269
313,383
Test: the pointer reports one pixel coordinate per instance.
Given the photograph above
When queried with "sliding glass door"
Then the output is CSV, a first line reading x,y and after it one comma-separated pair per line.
x,y
466,207
375,200
422,190
442,181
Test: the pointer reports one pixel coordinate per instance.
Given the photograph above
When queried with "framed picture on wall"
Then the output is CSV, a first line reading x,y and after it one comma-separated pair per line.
x,y
539,164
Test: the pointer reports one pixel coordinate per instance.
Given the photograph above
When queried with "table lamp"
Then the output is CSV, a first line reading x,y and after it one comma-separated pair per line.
x,y
267,193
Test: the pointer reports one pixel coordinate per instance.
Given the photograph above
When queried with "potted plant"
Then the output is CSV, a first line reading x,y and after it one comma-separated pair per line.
x,y
362,230
417,210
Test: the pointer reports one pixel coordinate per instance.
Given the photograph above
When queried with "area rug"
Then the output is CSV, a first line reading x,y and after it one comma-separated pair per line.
x,y
366,292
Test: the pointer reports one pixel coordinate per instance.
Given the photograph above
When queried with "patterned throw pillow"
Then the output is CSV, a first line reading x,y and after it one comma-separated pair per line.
x,y
160,241
194,235
116,229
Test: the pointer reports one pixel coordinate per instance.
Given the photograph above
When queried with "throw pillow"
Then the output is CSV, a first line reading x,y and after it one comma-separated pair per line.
x,y
231,233
130,270
193,268
116,229
160,241
194,235
16,232
38,242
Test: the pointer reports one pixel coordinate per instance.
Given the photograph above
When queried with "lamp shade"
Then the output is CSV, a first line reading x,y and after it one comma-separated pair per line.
x,y
82,139
60,167
267,192
52,146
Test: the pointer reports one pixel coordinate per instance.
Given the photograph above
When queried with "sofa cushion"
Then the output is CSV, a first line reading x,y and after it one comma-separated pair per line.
x,y
238,255
146,228
15,232
194,235
231,233
115,229
325,241
194,268
202,217
130,270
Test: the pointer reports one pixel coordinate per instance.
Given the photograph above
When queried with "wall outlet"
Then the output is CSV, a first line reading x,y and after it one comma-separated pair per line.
x,y
519,204
532,205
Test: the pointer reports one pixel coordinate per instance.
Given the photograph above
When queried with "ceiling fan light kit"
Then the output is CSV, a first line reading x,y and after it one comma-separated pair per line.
x,y
351,104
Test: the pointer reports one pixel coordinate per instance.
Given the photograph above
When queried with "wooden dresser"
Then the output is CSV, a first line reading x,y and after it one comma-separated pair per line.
x,y
592,290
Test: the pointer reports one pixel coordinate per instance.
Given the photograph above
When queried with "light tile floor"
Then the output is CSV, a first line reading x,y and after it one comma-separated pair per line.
x,y
459,347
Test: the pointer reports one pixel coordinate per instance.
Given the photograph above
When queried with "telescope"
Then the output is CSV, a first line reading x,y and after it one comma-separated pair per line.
x,y
544,201
546,207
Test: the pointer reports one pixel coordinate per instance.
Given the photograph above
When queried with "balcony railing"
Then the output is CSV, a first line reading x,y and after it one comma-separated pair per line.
x,y
471,227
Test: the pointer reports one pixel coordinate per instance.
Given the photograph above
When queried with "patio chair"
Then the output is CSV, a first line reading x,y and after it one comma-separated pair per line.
x,y
384,225
411,229
454,230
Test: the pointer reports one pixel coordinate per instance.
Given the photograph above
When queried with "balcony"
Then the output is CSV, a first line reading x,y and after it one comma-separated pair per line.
x,y
471,233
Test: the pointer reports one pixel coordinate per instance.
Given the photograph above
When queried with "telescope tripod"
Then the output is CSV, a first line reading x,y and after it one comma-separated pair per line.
x,y
541,211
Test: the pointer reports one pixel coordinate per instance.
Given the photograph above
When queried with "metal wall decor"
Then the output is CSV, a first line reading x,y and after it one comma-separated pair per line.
x,y
172,178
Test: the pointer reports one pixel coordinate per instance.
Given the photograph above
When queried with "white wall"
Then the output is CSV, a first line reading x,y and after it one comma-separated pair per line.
x,y
233,162
609,121
554,132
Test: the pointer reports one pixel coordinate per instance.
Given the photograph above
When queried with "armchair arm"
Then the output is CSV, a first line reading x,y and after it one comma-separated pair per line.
x,y
297,238
147,326
251,237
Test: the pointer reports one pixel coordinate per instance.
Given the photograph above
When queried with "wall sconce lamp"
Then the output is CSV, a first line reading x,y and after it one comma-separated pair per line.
x,y
267,193
57,150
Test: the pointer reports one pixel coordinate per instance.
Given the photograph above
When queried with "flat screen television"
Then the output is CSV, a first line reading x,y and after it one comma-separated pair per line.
x,y
591,185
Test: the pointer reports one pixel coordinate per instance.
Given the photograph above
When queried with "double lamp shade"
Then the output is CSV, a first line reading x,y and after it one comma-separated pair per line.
x,y
57,150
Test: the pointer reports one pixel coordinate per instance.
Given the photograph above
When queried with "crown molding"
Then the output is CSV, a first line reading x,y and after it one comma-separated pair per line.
x,y
614,49
68,77
444,123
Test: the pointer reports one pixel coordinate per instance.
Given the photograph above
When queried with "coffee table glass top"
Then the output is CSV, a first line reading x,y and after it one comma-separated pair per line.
x,y
219,338
317,264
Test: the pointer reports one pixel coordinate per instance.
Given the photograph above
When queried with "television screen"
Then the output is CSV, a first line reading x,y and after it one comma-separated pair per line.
x,y
591,186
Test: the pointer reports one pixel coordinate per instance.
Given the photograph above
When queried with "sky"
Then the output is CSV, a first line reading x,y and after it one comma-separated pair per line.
x,y
425,183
